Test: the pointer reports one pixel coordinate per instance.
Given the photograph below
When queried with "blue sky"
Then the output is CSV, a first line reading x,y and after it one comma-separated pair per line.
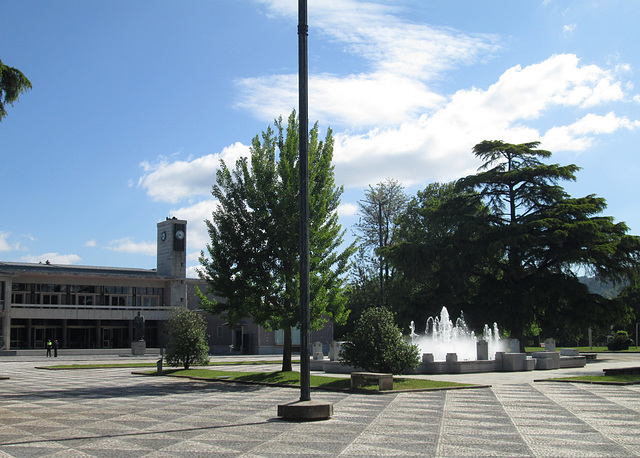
x,y
135,103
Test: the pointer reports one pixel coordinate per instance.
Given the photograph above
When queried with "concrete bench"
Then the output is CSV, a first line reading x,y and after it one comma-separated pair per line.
x,y
385,381
622,371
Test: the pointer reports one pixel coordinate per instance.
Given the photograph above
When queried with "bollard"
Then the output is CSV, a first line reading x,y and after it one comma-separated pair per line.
x,y
159,365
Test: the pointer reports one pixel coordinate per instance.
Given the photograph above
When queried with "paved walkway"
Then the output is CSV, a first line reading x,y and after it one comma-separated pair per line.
x,y
112,413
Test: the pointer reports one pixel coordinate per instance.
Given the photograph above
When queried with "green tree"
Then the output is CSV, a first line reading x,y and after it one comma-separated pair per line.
x,y
377,345
378,212
431,270
187,339
370,276
253,257
522,239
12,84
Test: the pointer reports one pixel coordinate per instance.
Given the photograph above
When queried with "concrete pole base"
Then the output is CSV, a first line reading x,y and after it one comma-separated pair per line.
x,y
305,411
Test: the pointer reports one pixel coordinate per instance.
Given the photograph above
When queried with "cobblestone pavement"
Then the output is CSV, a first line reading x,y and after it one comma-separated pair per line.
x,y
112,413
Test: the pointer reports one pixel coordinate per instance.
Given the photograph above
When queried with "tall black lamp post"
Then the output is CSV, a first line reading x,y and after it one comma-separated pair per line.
x,y
305,408
303,161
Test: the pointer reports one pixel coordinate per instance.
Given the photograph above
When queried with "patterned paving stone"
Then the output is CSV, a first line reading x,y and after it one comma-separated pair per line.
x,y
112,413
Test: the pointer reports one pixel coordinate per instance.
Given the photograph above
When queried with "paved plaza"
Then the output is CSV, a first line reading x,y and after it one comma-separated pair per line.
x,y
112,413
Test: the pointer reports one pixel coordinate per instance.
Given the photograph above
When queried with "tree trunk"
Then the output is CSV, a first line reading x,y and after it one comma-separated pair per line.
x,y
286,351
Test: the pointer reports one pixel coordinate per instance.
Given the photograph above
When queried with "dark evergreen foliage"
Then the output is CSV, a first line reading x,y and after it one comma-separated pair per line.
x,y
506,244
12,84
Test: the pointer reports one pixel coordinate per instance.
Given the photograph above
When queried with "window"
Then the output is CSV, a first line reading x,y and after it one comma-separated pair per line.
x,y
295,336
85,300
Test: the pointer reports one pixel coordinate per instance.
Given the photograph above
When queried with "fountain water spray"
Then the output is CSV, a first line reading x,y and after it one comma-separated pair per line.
x,y
442,337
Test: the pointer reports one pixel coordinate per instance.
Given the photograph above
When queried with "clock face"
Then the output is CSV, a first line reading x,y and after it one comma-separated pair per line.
x,y
163,236
180,235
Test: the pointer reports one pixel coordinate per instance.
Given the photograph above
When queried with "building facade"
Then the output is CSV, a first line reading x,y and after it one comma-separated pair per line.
x,y
94,307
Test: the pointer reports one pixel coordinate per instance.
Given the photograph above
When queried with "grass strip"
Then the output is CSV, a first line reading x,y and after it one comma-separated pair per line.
x,y
317,381
622,379
631,349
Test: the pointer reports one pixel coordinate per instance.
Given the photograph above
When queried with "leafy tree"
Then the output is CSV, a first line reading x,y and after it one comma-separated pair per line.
x,y
431,270
378,211
12,84
377,345
187,339
254,251
524,240
370,276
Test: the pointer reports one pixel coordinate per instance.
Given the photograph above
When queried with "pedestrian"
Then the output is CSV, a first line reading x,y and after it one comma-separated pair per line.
x,y
55,348
49,345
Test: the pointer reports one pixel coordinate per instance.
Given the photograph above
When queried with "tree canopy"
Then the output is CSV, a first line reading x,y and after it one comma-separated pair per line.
x,y
517,242
187,344
12,84
253,257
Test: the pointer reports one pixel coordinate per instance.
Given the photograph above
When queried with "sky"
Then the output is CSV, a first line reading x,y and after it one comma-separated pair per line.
x,y
134,104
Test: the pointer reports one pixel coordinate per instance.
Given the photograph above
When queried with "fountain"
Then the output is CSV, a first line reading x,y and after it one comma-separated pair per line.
x,y
442,337
454,349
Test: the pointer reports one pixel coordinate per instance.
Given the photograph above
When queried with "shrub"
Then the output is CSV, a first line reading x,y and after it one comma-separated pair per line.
x,y
377,345
187,339
620,342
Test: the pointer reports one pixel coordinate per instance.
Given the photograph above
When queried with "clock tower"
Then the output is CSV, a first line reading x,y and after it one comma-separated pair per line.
x,y
172,248
172,259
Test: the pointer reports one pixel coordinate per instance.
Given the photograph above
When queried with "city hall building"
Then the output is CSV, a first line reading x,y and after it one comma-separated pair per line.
x,y
94,307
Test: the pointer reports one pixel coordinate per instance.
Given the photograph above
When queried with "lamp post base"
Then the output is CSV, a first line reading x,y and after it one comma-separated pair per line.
x,y
305,411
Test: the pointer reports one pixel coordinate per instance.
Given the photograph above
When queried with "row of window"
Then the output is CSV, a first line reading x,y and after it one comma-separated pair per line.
x,y
53,288
49,294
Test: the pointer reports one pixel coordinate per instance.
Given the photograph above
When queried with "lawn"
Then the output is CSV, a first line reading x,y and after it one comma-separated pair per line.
x,y
275,378
602,379
583,349
293,379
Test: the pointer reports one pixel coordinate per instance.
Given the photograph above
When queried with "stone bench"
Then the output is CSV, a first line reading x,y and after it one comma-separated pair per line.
x,y
385,381
622,371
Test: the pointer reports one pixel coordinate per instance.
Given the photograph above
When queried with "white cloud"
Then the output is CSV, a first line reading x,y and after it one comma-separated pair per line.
x,y
438,146
4,245
579,135
53,258
347,210
128,245
403,57
90,243
175,181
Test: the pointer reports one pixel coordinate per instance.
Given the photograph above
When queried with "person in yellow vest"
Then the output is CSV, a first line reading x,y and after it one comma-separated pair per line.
x,y
49,345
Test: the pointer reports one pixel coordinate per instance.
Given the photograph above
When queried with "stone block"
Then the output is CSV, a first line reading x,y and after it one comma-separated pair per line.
x,y
512,362
569,352
546,360
385,381
550,345
138,347
427,357
482,351
334,350
317,350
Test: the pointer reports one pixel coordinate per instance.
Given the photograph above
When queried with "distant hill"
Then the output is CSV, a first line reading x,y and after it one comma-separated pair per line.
x,y
605,289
